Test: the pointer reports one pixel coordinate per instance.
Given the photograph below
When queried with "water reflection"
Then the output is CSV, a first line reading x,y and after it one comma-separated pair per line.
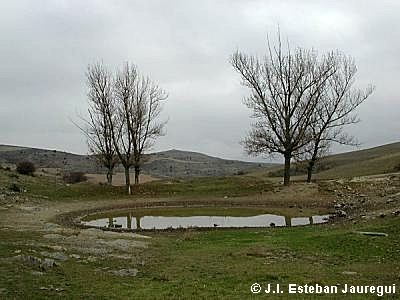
x,y
164,222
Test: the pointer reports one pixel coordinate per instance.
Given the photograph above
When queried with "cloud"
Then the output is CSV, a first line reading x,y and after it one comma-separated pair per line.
x,y
185,46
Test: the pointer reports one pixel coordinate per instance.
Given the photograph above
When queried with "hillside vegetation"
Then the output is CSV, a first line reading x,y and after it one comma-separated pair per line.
x,y
377,160
172,163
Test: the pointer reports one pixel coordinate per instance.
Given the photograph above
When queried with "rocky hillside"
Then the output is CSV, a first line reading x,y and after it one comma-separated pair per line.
x,y
172,163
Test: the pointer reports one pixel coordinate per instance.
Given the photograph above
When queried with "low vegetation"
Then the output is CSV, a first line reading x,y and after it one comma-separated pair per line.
x,y
26,168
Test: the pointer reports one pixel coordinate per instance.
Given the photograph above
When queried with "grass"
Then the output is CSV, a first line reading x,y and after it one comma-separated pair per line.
x,y
52,188
219,264
377,160
212,264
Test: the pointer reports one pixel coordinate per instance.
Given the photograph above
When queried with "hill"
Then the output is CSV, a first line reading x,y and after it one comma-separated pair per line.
x,y
172,163
377,160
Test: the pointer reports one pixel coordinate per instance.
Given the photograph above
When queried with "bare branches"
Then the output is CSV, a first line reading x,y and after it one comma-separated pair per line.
x,y
123,116
97,128
337,101
283,92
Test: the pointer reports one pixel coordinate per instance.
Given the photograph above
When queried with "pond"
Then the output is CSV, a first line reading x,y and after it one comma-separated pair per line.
x,y
201,217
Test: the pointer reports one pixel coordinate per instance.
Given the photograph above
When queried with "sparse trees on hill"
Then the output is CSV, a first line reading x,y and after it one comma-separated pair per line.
x,y
284,86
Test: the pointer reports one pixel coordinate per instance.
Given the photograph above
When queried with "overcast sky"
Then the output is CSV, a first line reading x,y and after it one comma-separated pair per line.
x,y
45,47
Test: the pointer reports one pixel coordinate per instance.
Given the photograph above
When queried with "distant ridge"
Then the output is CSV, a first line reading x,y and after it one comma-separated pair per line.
x,y
171,163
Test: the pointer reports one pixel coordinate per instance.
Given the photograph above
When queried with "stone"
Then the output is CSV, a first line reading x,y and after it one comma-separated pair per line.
x,y
91,259
51,226
349,273
37,273
29,259
56,255
53,236
57,248
126,245
341,213
125,272
372,233
76,256
48,263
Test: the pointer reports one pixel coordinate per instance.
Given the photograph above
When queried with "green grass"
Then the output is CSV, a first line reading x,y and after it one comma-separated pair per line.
x,y
220,264
377,160
49,187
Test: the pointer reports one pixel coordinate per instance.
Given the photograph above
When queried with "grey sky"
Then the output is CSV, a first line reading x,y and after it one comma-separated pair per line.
x,y
45,47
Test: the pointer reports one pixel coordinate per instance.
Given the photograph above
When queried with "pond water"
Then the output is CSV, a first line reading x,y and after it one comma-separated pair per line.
x,y
192,218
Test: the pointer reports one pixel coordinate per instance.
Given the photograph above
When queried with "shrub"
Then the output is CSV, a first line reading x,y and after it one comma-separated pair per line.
x,y
15,188
74,177
26,168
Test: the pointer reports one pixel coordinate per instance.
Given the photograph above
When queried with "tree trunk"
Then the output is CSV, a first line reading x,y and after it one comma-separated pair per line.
x,y
127,180
310,169
286,176
137,173
109,177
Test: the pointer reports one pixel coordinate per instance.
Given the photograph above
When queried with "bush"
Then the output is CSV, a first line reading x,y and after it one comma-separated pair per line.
x,y
74,177
26,168
15,188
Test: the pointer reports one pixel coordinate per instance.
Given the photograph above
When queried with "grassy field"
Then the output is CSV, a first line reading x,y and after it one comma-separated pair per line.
x,y
378,160
216,264
191,264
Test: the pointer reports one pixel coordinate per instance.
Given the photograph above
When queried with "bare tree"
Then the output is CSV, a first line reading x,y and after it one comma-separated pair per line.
x,y
284,88
97,126
336,105
137,106
146,107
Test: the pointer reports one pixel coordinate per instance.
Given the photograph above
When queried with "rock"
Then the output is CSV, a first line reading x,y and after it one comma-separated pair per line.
x,y
57,248
37,273
382,215
56,255
91,259
51,226
29,259
113,234
341,214
396,213
76,256
338,206
126,245
48,263
53,236
372,233
349,273
17,251
125,272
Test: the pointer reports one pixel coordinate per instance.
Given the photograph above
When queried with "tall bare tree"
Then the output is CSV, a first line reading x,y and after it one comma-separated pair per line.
x,y
146,106
137,106
97,127
337,102
284,86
